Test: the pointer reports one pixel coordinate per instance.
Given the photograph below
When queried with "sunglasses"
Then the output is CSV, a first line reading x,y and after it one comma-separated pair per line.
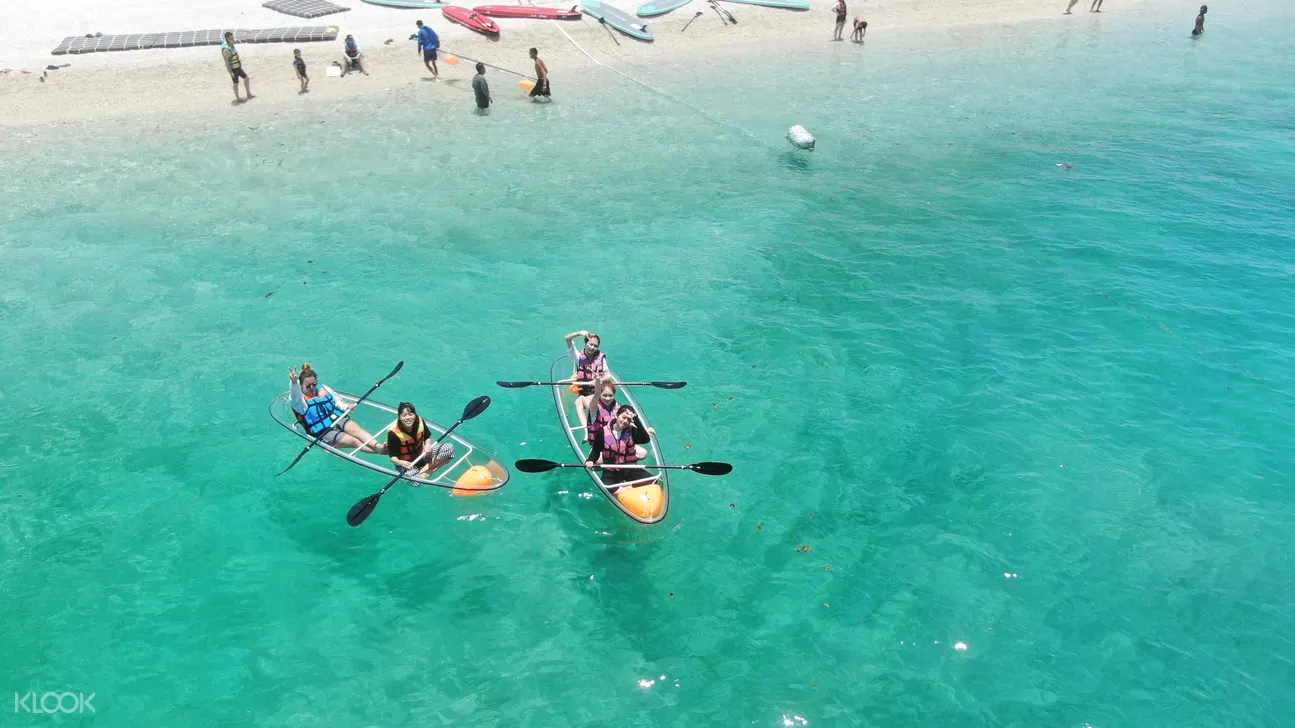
x,y
308,385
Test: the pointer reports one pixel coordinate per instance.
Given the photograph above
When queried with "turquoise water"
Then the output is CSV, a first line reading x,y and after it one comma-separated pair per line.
x,y
1038,412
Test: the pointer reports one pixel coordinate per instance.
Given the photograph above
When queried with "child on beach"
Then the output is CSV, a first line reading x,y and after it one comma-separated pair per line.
x,y
1200,22
860,28
542,74
300,66
841,12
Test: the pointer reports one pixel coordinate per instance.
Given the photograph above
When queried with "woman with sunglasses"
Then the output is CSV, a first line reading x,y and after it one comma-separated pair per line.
x,y
619,442
591,364
411,438
319,412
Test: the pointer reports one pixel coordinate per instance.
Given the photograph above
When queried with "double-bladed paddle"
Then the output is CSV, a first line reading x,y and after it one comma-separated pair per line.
x,y
533,465
341,421
361,510
658,385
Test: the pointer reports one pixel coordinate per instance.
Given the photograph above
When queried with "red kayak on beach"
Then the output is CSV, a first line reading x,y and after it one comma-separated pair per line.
x,y
471,19
528,11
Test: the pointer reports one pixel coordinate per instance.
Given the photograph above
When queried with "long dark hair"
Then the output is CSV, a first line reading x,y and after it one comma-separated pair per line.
x,y
400,410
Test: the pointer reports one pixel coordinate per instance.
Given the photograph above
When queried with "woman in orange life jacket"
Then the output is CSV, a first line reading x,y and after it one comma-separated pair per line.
x,y
318,412
620,442
411,437
604,408
590,365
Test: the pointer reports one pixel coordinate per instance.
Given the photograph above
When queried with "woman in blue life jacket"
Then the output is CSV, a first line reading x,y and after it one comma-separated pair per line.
x,y
318,411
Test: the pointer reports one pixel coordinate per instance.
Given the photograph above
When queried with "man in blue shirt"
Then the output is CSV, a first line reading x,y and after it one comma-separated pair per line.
x,y
428,42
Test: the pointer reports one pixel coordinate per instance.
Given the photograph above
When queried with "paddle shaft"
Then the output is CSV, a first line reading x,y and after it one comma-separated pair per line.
x,y
607,27
694,17
584,383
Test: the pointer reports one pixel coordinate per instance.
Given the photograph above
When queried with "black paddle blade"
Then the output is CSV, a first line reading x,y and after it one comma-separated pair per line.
x,y
534,465
399,365
361,510
711,468
475,407
669,385
515,385
295,460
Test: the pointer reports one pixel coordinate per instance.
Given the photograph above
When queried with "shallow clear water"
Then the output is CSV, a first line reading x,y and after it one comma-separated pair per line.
x,y
1038,412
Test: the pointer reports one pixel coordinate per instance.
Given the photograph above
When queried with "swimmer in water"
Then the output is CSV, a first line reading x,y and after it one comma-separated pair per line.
x,y
1200,21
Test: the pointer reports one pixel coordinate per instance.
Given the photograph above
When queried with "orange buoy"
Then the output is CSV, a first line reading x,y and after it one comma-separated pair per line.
x,y
575,389
476,481
644,501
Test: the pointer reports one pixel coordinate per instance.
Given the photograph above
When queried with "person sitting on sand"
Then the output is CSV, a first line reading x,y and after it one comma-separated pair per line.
x,y
1200,21
542,74
841,11
299,65
861,28
428,43
234,65
354,59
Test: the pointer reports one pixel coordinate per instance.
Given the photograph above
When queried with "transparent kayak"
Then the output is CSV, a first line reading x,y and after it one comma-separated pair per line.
x,y
486,473
565,399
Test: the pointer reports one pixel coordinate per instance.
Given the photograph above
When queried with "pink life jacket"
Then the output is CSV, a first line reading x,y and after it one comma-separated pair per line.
x,y
618,450
587,369
601,417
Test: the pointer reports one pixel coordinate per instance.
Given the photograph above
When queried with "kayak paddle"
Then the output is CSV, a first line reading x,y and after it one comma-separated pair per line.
x,y
361,510
685,27
726,13
534,465
342,420
658,385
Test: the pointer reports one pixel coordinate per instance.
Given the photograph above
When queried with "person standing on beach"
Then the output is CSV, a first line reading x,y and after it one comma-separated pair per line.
x,y
1096,7
299,65
481,88
234,65
1071,5
841,12
542,77
1200,22
428,43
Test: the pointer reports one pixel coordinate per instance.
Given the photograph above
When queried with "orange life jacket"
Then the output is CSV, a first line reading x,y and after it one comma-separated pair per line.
x,y
411,446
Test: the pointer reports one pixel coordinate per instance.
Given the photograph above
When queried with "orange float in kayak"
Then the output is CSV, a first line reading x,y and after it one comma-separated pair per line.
x,y
477,480
644,501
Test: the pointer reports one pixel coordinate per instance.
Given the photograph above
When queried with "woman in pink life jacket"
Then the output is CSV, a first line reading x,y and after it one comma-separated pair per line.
x,y
591,364
620,442
603,409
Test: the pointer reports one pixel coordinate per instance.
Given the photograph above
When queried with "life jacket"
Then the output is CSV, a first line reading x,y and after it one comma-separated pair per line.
x,y
619,450
601,416
321,412
352,50
841,12
587,369
233,56
411,446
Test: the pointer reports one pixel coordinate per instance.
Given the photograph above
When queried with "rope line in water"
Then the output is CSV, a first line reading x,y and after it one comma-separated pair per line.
x,y
1200,349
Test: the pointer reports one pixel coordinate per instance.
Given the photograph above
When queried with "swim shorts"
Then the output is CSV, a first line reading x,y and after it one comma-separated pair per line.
x,y
542,89
237,73
429,55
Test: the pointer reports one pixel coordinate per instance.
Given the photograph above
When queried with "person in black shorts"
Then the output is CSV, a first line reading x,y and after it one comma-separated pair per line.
x,y
234,65
299,65
480,88
541,75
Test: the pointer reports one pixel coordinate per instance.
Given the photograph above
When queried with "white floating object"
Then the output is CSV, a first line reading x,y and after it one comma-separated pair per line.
x,y
800,137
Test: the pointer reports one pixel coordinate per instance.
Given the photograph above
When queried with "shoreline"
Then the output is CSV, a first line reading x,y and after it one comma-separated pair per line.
x,y
175,84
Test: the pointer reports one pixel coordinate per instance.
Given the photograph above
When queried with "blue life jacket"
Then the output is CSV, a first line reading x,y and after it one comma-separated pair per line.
x,y
321,413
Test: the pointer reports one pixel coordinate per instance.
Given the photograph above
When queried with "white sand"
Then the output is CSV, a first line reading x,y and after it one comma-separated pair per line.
x,y
192,80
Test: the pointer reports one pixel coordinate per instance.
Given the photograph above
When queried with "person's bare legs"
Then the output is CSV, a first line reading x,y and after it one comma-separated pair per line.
x,y
1071,5
247,86
1096,7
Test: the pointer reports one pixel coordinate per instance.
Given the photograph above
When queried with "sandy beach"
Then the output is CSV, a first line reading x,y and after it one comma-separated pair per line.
x,y
183,82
